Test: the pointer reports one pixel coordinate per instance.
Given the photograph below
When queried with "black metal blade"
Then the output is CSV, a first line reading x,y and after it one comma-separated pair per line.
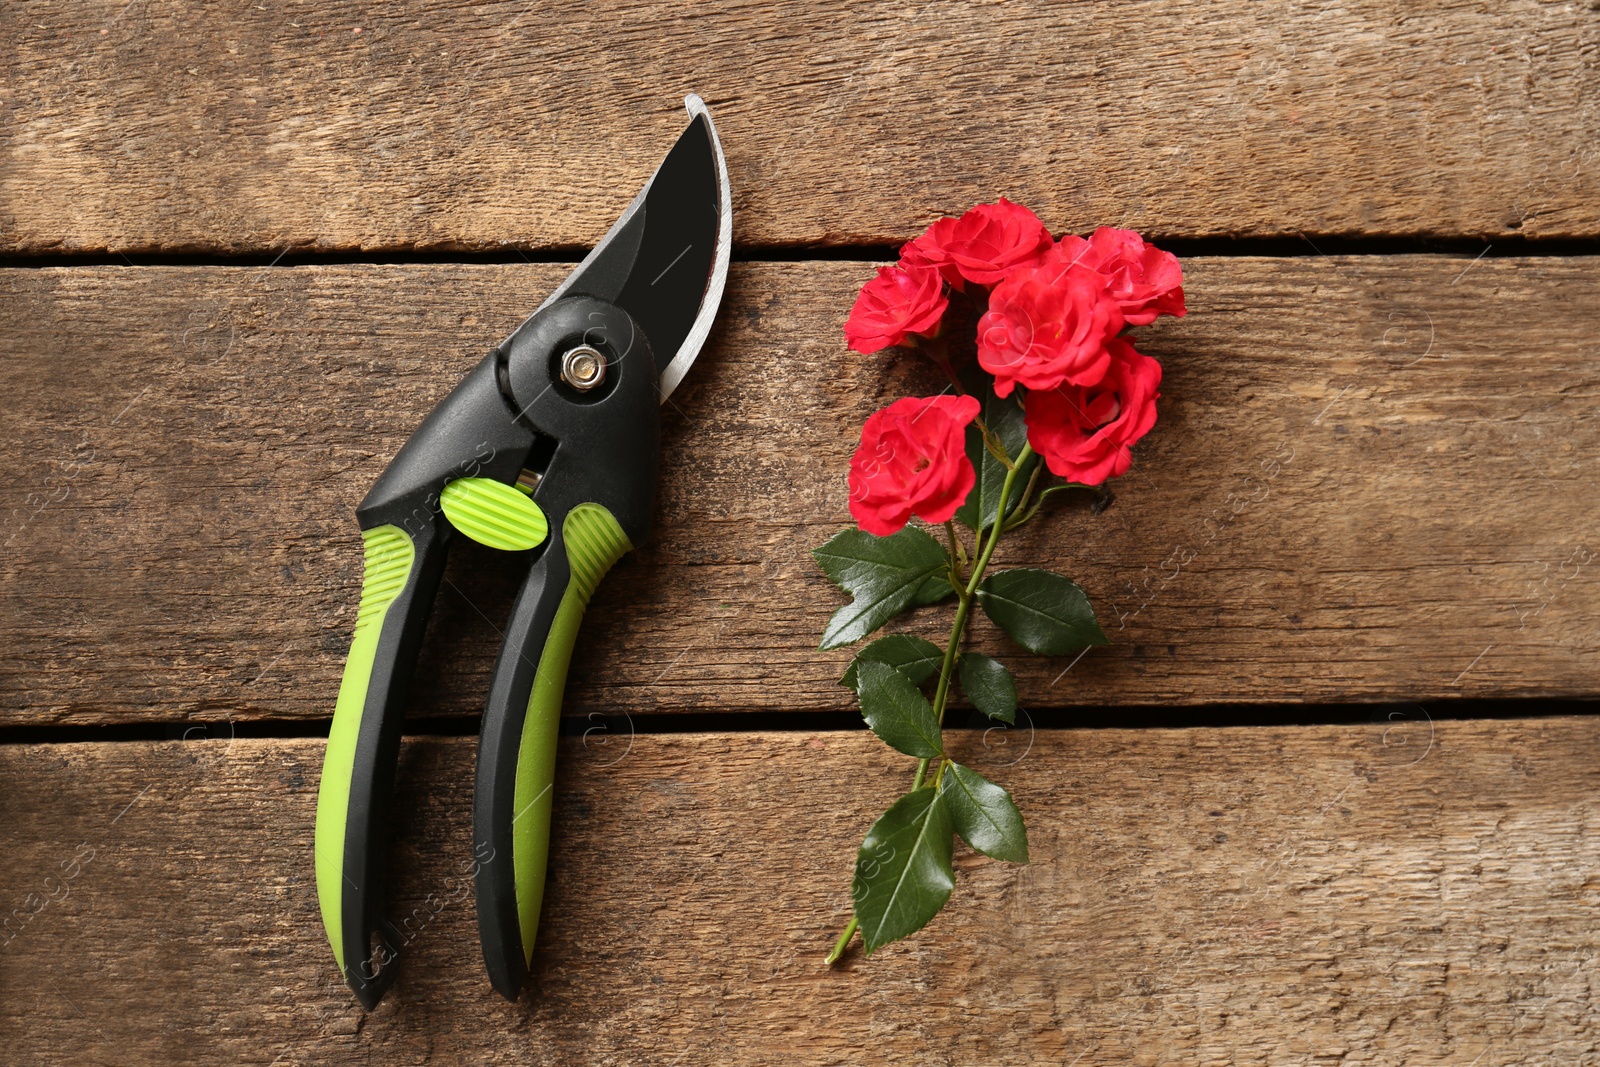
x,y
661,260
664,289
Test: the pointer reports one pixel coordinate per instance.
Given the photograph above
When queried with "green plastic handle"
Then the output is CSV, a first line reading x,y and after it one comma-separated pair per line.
x,y
400,576
594,542
591,541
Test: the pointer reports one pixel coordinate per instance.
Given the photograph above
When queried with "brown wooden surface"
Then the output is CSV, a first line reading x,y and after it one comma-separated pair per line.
x,y
1373,480
260,127
1397,893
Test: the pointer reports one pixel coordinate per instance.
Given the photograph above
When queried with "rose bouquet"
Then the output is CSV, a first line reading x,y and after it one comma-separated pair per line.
x,y
1052,375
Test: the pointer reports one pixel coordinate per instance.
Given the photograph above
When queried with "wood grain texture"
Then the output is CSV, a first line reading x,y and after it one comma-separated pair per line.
x,y
1372,481
1388,894
248,127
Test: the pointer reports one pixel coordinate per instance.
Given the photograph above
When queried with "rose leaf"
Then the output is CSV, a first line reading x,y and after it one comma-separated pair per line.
x,y
897,711
984,814
1043,612
989,686
911,656
903,873
882,574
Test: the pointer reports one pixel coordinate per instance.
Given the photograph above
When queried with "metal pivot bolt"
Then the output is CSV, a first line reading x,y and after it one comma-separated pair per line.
x,y
583,367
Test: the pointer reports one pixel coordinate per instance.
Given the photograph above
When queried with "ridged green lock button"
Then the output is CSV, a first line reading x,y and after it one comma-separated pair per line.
x,y
493,513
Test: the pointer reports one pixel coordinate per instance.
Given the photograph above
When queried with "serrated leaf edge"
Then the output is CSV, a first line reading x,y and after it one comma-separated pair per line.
x,y
956,777
922,839
857,660
1010,718
985,594
935,742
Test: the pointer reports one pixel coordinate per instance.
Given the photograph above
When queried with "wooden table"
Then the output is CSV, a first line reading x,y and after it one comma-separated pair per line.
x,y
1331,795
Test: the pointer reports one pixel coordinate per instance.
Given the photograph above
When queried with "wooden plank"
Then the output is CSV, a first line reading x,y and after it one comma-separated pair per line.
x,y
263,127
1372,481
1390,893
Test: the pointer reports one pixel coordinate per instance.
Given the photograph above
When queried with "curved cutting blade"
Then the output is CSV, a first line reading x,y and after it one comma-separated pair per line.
x,y
665,261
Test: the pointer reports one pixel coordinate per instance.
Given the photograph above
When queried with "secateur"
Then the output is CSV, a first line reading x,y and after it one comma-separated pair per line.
x,y
548,447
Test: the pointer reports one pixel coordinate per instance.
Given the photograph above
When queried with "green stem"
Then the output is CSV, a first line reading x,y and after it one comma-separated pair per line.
x,y
946,672
844,940
947,667
922,772
958,550
999,525
1027,495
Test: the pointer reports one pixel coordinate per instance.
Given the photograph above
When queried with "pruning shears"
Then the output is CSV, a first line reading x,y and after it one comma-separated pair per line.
x,y
549,446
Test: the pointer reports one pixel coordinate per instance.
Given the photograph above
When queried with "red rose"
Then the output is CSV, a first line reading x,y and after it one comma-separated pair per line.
x,y
901,300
1084,432
912,460
1143,280
1048,324
983,245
